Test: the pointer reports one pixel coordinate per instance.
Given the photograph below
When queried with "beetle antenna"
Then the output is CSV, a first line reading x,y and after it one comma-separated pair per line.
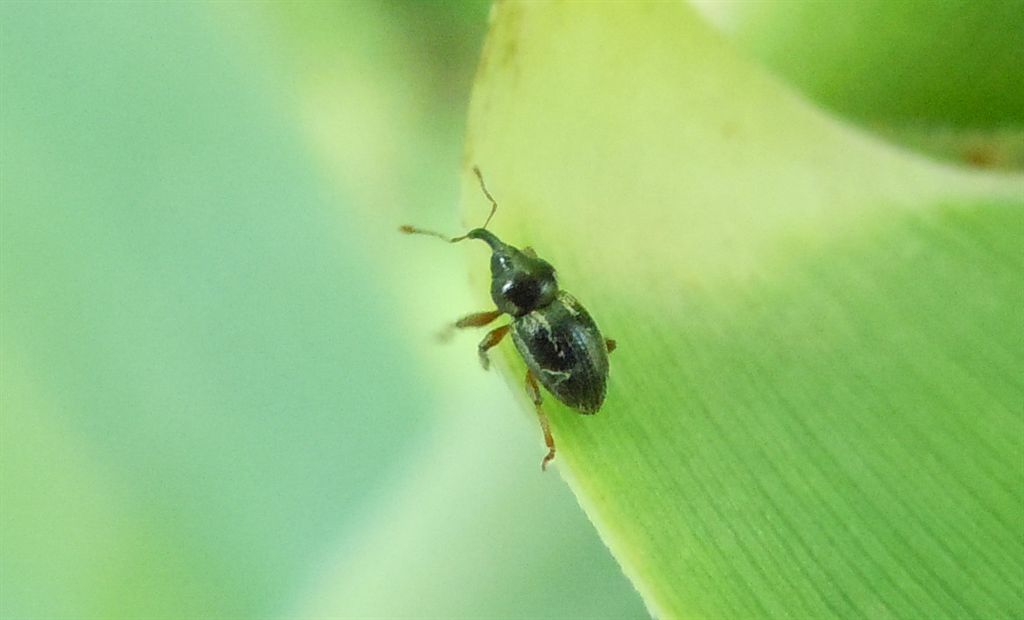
x,y
413,230
494,203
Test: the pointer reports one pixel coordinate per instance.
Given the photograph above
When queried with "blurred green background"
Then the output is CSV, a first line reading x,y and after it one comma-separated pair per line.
x,y
220,392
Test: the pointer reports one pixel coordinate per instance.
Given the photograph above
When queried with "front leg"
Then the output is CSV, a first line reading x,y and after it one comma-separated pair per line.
x,y
477,319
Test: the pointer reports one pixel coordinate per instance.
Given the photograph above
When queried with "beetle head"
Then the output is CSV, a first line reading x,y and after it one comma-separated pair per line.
x,y
520,283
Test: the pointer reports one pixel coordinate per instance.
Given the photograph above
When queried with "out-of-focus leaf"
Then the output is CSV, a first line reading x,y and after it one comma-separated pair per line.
x,y
941,78
940,64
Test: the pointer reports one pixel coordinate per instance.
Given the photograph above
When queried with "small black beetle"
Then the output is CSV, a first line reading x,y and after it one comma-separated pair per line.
x,y
554,334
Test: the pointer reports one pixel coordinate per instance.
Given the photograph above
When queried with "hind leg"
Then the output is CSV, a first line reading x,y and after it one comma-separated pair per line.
x,y
534,391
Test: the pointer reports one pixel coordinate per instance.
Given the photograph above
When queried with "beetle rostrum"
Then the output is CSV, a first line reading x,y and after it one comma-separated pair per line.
x,y
558,340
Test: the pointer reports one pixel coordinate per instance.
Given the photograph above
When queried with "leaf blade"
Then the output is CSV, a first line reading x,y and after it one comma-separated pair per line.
x,y
780,289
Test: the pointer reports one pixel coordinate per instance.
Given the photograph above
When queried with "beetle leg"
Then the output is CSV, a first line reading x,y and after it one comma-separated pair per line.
x,y
529,252
477,319
610,344
534,391
492,338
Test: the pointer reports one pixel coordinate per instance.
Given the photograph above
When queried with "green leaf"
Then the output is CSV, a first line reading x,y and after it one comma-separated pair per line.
x,y
816,404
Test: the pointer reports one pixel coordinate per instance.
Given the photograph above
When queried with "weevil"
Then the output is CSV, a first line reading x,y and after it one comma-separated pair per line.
x,y
563,348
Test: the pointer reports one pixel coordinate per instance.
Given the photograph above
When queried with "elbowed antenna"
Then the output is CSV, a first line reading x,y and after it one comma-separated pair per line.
x,y
494,203
477,233
412,230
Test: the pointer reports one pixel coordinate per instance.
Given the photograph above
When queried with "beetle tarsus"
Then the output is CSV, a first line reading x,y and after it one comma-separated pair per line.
x,y
550,456
445,334
492,338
